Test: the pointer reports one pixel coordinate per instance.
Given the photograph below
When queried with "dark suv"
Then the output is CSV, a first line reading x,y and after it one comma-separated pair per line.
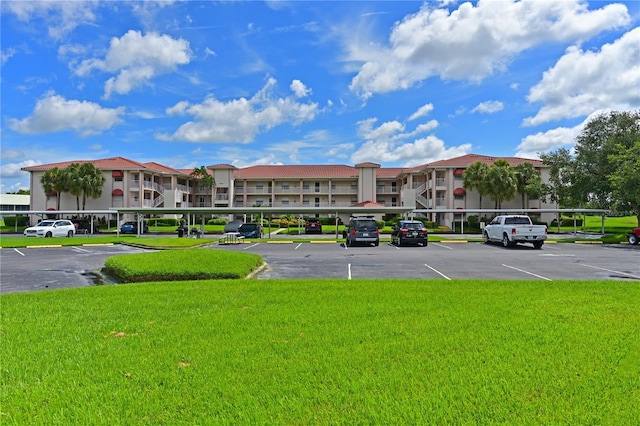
x,y
313,225
250,230
409,232
362,230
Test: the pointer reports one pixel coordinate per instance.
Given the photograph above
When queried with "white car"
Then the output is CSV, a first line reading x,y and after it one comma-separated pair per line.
x,y
51,228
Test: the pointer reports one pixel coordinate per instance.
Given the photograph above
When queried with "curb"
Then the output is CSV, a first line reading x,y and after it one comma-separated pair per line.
x,y
97,245
46,246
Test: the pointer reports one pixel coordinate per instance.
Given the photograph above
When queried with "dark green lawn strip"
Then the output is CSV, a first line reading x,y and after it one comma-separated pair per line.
x,y
323,352
186,264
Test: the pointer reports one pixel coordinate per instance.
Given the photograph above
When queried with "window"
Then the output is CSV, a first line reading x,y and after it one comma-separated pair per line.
x,y
458,197
285,185
305,185
118,178
259,186
317,186
285,202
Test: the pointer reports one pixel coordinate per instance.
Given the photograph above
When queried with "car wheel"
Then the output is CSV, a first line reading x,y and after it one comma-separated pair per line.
x,y
377,243
505,240
399,242
486,238
347,242
633,239
538,245
426,242
48,235
69,234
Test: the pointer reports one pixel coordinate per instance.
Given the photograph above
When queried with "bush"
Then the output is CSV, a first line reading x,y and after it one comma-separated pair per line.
x,y
11,221
217,221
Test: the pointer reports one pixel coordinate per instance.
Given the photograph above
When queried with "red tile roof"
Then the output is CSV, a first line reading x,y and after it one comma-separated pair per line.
x,y
114,163
469,159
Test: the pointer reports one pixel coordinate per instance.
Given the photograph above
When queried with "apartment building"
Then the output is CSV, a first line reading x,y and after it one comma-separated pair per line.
x,y
427,188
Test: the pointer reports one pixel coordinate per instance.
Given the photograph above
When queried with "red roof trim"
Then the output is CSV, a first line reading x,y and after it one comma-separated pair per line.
x,y
117,192
459,191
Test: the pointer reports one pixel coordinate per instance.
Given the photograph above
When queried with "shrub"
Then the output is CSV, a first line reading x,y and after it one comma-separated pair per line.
x,y
11,220
217,221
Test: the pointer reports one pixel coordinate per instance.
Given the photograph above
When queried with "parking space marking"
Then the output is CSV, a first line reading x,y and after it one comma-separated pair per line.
x,y
298,246
349,271
19,252
252,245
442,245
611,270
81,250
438,272
527,272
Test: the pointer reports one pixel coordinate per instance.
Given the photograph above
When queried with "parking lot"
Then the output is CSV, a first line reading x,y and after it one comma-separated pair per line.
x,y
63,267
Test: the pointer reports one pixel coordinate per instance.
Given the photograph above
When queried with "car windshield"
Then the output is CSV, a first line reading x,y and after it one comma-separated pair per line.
x,y
247,227
46,223
413,225
366,226
129,224
517,221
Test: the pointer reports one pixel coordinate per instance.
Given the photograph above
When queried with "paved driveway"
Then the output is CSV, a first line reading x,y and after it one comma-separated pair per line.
x,y
65,267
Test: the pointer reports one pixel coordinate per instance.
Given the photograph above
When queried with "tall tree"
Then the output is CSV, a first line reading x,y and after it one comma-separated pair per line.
x,y
53,180
73,180
597,155
528,182
501,182
92,182
201,177
475,177
559,189
625,180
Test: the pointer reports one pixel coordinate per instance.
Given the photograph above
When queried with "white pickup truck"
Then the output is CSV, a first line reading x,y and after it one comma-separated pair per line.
x,y
511,230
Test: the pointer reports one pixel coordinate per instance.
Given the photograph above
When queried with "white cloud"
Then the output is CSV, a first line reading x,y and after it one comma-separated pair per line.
x,y
60,17
53,113
422,111
137,59
388,144
239,120
532,145
472,42
299,89
488,107
12,170
583,81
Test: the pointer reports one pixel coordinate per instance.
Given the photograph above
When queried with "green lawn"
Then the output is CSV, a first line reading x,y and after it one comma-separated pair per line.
x,y
323,352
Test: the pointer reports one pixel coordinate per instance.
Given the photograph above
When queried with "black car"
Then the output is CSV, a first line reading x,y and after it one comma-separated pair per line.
x,y
84,226
250,230
409,232
313,226
362,230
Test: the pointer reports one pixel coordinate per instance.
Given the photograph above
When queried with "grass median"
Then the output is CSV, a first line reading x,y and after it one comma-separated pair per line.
x,y
323,352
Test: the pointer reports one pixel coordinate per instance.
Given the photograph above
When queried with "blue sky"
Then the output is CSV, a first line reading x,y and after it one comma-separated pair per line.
x,y
402,83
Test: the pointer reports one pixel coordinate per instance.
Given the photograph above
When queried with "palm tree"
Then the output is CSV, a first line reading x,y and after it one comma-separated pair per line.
x,y
73,180
91,182
501,182
53,180
475,177
525,176
201,176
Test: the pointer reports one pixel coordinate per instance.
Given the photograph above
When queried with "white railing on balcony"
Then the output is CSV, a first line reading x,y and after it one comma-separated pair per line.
x,y
440,182
420,187
158,200
183,188
222,197
422,200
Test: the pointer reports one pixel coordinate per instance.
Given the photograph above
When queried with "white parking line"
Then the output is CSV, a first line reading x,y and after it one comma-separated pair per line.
x,y
19,252
438,272
81,250
298,246
442,245
252,245
526,272
611,270
349,271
